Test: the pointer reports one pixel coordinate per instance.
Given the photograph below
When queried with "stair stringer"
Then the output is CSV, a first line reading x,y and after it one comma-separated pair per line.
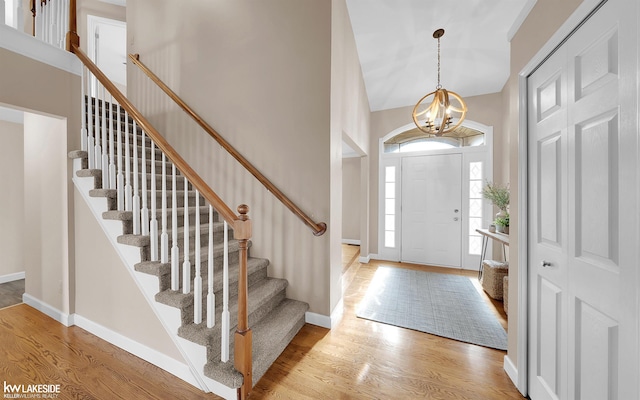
x,y
194,354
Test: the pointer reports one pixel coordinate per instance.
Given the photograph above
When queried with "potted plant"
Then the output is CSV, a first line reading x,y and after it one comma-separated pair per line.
x,y
502,224
498,195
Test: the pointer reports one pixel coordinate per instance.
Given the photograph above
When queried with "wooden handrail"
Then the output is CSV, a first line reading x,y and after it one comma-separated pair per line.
x,y
318,228
217,203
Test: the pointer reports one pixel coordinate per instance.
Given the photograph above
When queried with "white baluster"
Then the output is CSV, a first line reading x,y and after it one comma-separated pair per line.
x,y
98,128
153,225
120,176
128,194
40,22
136,189
46,24
211,297
57,28
186,265
19,21
224,355
164,238
197,283
145,211
53,38
112,153
105,148
91,143
83,110
175,251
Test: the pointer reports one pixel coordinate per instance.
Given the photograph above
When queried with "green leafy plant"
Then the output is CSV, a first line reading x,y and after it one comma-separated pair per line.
x,y
497,194
502,221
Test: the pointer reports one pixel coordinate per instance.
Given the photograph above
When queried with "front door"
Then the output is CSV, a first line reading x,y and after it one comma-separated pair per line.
x,y
583,221
431,204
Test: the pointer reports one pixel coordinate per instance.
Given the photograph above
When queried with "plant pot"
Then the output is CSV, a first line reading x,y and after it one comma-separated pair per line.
x,y
505,230
500,228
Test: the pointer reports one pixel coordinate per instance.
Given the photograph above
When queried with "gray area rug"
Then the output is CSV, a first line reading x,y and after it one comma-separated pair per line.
x,y
440,304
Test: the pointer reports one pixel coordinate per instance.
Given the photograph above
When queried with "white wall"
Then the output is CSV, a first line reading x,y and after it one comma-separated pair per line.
x,y
12,202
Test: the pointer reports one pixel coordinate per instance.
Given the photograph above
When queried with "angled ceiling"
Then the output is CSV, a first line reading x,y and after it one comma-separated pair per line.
x,y
398,53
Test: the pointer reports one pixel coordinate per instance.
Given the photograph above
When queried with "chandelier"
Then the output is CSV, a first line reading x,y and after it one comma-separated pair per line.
x,y
441,111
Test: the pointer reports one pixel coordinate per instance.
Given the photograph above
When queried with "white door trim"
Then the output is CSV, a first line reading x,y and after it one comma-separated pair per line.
x,y
520,376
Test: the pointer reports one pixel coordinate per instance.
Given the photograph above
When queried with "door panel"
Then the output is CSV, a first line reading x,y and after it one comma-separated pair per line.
x,y
431,203
548,221
583,258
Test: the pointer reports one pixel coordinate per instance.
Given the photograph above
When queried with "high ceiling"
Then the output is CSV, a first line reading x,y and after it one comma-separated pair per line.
x,y
398,53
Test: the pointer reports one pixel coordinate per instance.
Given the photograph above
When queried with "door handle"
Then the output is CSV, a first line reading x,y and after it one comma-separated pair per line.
x,y
456,210
545,263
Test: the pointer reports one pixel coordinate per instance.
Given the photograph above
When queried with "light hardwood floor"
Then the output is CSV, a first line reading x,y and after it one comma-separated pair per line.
x,y
362,359
359,359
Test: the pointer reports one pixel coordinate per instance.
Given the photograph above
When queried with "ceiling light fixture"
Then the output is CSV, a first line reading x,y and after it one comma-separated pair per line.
x,y
445,110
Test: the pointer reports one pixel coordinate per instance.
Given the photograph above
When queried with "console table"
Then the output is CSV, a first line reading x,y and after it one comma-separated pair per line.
x,y
498,237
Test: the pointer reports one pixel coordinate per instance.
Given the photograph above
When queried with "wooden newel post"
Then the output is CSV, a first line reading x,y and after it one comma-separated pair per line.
x,y
72,35
243,340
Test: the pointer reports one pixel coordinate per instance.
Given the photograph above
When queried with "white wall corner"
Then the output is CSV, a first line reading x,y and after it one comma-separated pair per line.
x,y
64,319
317,319
326,321
11,277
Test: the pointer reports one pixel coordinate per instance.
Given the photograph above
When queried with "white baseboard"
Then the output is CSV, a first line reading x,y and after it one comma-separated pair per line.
x,y
355,242
11,277
317,319
160,360
63,318
364,259
323,320
511,370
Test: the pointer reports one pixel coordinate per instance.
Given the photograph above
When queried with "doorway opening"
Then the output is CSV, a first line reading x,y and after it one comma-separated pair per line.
x,y
107,48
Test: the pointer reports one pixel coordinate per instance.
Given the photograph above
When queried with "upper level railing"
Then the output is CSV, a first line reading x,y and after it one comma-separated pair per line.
x,y
318,228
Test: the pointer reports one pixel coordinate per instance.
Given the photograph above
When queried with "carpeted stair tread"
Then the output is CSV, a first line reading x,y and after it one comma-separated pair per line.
x,y
77,154
155,268
259,294
282,323
128,215
261,290
116,215
134,240
89,173
108,193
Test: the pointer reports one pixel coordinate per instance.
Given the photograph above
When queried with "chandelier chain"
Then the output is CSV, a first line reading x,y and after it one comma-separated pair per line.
x,y
439,86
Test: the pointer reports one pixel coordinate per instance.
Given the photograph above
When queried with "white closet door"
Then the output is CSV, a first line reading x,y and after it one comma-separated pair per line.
x,y
583,222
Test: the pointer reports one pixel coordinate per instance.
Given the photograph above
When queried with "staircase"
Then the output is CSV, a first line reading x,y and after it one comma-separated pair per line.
x,y
273,318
